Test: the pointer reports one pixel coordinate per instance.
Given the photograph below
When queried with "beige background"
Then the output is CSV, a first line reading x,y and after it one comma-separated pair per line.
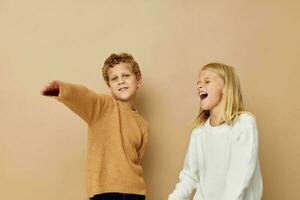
x,y
43,144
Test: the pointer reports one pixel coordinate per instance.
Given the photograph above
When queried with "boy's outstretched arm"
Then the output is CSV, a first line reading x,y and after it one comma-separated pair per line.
x,y
81,100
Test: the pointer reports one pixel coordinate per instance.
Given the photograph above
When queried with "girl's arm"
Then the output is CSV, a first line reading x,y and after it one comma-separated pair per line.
x,y
244,160
84,102
188,177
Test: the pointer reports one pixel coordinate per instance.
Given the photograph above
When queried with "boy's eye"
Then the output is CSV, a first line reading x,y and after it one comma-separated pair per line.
x,y
114,78
126,75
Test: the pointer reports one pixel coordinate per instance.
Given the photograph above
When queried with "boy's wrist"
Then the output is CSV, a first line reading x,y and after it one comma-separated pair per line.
x,y
52,92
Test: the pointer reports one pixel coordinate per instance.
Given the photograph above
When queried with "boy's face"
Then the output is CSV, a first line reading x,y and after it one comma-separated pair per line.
x,y
122,82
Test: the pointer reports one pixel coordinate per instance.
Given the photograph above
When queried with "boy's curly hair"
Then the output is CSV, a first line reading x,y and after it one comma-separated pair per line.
x,y
115,59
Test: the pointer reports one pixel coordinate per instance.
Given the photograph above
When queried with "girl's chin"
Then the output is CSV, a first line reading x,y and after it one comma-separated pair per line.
x,y
203,107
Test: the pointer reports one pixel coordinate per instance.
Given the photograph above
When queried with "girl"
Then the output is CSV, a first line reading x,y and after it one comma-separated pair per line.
x,y
222,158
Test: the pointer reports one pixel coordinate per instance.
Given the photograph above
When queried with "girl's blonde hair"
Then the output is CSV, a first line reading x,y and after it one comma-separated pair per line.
x,y
233,94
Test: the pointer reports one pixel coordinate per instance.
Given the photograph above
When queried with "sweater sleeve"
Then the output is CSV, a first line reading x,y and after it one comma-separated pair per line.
x,y
143,146
82,101
244,159
189,175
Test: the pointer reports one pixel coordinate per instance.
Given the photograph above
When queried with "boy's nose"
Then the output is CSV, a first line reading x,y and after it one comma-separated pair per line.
x,y
120,81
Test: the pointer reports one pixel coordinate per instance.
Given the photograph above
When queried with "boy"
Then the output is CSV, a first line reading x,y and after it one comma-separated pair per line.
x,y
117,133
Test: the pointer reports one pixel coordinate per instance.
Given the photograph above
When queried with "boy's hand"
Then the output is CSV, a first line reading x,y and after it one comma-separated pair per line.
x,y
52,89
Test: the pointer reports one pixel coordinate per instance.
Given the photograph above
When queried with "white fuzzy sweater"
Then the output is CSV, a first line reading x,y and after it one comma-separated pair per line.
x,y
222,163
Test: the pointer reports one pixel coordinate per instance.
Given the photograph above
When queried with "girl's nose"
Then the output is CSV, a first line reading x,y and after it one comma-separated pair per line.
x,y
199,85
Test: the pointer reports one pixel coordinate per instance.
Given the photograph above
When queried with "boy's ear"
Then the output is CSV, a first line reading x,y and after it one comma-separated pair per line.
x,y
139,82
107,83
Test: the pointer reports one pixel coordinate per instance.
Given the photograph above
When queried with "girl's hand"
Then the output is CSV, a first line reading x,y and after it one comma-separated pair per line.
x,y
52,89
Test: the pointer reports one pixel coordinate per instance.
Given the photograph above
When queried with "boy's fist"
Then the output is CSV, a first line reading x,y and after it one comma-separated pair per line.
x,y
52,89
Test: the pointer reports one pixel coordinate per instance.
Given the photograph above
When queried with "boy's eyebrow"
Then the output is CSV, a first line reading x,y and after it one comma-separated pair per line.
x,y
115,75
112,76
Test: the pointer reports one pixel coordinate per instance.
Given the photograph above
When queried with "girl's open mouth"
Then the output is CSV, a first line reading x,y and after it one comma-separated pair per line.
x,y
203,95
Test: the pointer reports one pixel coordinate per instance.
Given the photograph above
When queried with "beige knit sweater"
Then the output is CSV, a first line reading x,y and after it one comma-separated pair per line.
x,y
117,139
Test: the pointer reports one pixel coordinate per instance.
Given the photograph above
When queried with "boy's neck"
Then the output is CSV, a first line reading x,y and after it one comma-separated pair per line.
x,y
128,104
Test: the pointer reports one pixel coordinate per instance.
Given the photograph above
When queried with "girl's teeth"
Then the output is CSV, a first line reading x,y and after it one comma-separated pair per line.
x,y
203,95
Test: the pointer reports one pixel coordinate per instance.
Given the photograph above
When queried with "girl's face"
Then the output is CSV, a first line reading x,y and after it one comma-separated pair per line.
x,y
210,90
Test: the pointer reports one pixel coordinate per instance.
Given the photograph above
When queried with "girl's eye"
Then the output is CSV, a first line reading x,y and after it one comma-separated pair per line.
x,y
126,75
114,78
